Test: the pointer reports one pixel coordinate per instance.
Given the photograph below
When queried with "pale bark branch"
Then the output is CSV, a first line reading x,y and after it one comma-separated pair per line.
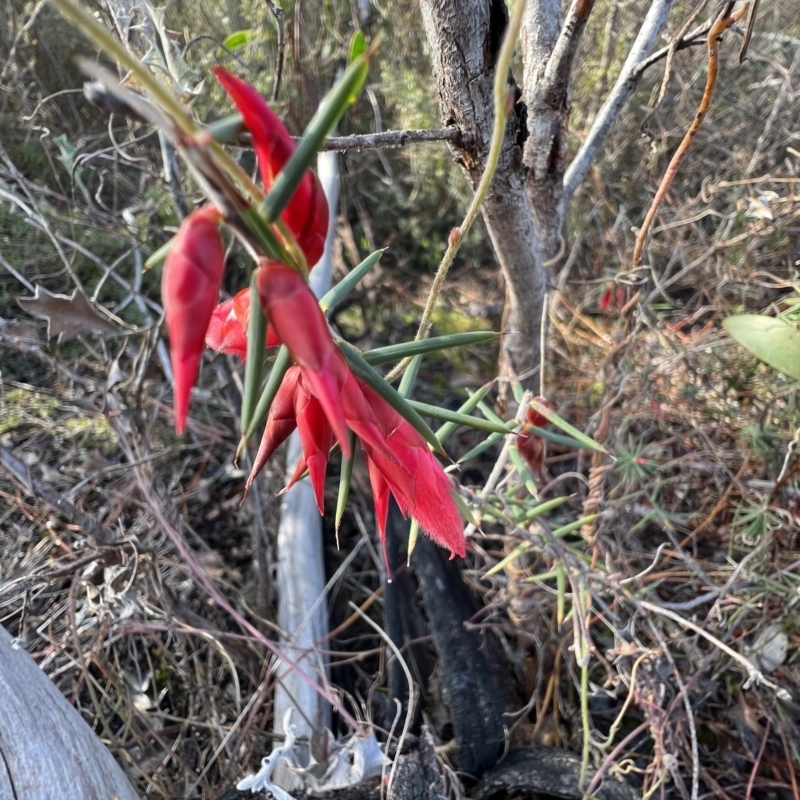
x,y
620,94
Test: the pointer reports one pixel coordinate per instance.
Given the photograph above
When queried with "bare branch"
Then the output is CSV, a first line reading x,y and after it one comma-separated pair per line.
x,y
548,54
623,89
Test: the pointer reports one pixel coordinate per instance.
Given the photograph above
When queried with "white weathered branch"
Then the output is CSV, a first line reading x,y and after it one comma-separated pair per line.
x,y
47,751
618,96
300,554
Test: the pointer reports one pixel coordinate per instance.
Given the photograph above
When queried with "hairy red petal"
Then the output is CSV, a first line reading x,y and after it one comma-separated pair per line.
x,y
227,331
281,422
306,214
300,324
417,480
189,288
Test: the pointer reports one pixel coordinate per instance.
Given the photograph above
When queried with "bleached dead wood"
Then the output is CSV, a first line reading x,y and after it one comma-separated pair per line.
x,y
47,752
301,569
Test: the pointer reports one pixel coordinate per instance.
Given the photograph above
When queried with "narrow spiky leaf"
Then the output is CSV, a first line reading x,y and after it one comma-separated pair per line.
x,y
282,363
376,382
396,352
349,282
345,476
463,419
254,366
330,111
449,428
552,417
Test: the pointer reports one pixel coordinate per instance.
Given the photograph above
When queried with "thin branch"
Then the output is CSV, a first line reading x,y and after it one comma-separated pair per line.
x,y
277,15
723,21
387,139
623,89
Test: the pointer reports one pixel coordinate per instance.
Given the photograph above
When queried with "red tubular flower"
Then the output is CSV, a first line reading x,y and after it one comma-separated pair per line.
x,y
281,422
416,478
189,289
316,438
227,331
530,446
300,324
306,214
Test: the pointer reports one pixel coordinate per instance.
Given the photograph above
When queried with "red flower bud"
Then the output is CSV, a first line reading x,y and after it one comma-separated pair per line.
x,y
227,331
306,214
189,288
281,422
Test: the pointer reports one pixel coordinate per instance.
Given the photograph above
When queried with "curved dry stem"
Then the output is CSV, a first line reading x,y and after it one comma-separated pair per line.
x,y
725,19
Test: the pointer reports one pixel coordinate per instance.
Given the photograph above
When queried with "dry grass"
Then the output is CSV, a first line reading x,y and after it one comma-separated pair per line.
x,y
636,641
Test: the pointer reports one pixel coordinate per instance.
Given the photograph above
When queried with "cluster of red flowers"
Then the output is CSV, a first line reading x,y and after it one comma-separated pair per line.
x,y
319,395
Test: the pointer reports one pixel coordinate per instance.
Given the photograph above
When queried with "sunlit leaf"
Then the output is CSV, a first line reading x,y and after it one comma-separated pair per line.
x,y
772,340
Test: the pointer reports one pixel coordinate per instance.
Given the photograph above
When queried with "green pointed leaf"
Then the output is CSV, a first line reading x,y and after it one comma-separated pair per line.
x,y
396,352
573,526
523,471
772,340
413,535
482,447
449,428
330,111
358,46
345,476
160,256
409,378
518,390
552,417
462,419
349,282
225,130
375,381
282,363
464,509
557,438
489,414
267,239
512,556
254,365
238,39
544,508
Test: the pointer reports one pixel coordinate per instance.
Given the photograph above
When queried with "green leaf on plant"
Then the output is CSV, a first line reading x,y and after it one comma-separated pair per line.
x,y
238,39
254,366
396,352
772,340
552,417
361,369
358,46
330,111
349,282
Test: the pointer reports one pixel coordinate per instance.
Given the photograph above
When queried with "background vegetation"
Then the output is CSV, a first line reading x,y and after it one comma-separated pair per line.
x,y
701,504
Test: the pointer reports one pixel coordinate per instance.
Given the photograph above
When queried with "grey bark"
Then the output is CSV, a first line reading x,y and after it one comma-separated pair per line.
x,y
47,752
463,39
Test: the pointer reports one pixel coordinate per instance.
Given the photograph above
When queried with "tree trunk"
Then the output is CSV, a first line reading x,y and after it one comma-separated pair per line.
x,y
463,39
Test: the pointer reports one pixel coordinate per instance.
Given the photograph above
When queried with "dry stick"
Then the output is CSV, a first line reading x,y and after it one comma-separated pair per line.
x,y
673,48
725,19
503,102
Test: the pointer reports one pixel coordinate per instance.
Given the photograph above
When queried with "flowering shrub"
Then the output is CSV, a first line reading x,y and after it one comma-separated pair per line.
x,y
319,396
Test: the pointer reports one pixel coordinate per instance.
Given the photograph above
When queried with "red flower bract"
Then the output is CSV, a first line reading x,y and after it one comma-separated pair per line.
x,y
189,289
298,320
227,331
306,214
